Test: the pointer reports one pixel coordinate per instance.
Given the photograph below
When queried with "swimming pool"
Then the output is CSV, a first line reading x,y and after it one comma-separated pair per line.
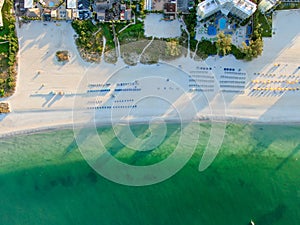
x,y
51,4
222,23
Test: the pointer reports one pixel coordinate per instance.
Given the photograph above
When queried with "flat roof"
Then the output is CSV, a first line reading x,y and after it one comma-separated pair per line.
x,y
28,4
265,5
245,6
71,4
208,6
170,7
226,6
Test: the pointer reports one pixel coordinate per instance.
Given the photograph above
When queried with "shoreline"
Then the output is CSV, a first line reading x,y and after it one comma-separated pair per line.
x,y
68,126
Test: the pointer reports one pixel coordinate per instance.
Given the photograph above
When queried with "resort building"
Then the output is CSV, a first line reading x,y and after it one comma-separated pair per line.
x,y
69,14
170,10
100,7
61,12
240,8
111,10
33,13
266,5
125,14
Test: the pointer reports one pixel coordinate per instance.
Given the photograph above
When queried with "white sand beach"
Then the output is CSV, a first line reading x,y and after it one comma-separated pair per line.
x,y
105,92
156,26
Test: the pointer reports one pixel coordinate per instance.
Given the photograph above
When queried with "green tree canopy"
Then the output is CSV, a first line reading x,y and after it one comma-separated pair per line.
x,y
223,44
254,49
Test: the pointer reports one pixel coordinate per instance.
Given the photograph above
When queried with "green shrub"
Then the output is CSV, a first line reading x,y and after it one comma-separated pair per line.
x,y
206,47
237,52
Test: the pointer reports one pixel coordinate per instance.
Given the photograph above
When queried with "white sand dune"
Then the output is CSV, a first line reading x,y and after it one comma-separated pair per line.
x,y
164,88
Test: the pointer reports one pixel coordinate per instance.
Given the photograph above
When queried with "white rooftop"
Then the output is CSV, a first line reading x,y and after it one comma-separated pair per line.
x,y
71,4
28,4
245,5
209,7
265,5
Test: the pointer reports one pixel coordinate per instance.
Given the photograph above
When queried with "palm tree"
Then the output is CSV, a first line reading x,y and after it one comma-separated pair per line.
x,y
223,43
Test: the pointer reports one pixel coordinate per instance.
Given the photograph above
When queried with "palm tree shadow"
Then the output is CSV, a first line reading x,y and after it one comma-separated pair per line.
x,y
263,141
2,116
114,146
139,155
82,135
294,152
273,216
71,147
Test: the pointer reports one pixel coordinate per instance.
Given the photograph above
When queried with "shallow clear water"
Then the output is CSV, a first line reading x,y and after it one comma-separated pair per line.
x,y
44,180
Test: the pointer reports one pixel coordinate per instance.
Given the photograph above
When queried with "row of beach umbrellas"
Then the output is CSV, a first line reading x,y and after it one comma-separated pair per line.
x,y
275,81
275,89
274,75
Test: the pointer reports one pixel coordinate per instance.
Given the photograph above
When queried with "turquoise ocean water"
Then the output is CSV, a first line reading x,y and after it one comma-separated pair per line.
x,y
256,175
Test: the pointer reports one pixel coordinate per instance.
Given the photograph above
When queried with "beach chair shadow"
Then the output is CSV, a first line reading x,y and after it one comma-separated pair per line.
x,y
46,56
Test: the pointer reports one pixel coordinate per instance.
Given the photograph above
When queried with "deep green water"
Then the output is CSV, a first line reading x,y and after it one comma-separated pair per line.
x,y
256,175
